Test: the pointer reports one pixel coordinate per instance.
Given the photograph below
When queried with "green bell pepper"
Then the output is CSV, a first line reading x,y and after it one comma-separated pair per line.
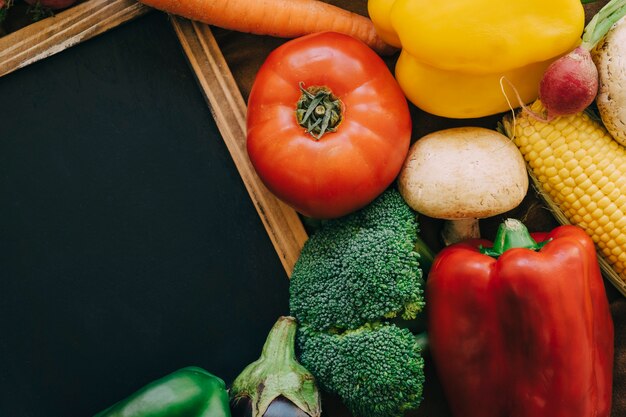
x,y
187,392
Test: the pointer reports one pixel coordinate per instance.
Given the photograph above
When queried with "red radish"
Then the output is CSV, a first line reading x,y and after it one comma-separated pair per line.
x,y
570,84
52,4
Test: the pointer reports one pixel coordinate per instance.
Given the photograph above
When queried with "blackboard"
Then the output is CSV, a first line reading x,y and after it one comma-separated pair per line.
x,y
128,244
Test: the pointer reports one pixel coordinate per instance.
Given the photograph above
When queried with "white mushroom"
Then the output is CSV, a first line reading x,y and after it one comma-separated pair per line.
x,y
463,174
610,58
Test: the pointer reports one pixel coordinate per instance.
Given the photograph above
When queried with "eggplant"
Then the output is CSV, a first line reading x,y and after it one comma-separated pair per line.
x,y
279,407
276,385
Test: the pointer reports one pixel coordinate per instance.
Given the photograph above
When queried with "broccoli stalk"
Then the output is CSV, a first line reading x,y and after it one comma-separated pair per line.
x,y
356,276
427,256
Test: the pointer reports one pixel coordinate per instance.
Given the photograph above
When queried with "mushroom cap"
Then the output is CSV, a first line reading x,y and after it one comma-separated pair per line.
x,y
610,58
460,173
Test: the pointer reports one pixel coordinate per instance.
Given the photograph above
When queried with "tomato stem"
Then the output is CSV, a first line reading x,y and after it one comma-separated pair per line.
x,y
318,110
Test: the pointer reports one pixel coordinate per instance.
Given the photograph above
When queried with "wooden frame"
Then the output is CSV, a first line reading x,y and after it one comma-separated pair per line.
x,y
229,110
52,35
88,19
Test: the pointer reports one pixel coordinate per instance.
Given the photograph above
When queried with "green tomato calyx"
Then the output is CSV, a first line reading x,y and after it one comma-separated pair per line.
x,y
318,111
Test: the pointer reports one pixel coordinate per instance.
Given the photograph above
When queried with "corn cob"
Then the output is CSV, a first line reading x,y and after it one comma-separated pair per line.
x,y
583,172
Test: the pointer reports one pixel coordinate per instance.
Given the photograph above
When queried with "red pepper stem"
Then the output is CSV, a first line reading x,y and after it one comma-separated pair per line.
x,y
511,234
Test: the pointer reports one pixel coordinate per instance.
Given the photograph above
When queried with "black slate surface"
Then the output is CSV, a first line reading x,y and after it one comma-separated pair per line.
x,y
128,244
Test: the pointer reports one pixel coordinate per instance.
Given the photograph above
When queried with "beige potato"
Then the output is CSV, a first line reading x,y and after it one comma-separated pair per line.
x,y
610,58
463,174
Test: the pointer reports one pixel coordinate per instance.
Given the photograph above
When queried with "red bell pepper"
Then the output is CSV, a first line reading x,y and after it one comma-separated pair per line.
x,y
522,329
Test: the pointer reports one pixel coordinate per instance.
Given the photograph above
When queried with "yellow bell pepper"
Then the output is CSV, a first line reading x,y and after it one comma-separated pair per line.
x,y
462,95
380,13
454,53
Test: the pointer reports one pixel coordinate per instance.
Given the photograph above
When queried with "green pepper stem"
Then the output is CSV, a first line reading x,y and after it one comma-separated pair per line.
x,y
511,234
602,22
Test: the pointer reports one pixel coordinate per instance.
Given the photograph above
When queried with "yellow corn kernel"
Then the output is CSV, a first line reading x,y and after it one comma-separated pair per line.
x,y
583,170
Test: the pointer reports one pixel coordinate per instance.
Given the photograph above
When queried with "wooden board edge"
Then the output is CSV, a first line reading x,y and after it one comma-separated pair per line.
x,y
609,273
228,108
64,30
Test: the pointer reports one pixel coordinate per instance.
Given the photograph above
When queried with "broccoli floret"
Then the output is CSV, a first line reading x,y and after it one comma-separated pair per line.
x,y
360,268
377,369
354,275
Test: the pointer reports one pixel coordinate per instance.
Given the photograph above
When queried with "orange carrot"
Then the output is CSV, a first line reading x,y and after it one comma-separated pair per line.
x,y
280,18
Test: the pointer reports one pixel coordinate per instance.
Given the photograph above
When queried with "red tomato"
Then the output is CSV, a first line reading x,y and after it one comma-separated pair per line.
x,y
347,168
